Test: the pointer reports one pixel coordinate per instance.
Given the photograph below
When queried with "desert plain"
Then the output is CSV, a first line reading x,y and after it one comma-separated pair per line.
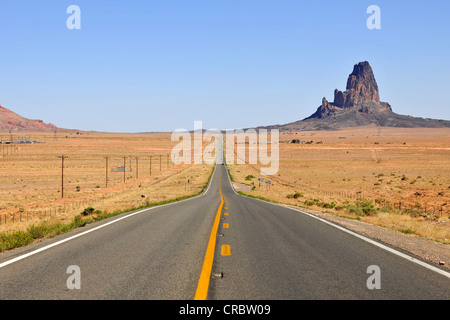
x,y
397,178
34,186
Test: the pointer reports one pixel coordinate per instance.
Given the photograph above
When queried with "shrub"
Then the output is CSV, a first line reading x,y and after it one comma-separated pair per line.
x,y
249,177
14,240
77,221
328,205
38,231
88,211
355,210
407,231
58,229
367,207
362,208
295,195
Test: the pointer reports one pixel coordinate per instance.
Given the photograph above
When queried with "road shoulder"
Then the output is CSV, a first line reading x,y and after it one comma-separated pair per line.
x,y
431,251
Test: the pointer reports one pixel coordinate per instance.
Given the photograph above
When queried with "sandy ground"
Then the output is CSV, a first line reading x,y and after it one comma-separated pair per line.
x,y
404,173
32,180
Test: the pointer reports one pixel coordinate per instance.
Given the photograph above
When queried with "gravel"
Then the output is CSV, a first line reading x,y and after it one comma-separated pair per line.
x,y
433,252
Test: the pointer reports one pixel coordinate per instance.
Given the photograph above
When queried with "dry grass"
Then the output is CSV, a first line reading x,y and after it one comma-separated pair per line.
x,y
30,175
387,166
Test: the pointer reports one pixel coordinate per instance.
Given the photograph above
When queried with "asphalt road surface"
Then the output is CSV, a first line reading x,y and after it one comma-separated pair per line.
x,y
219,245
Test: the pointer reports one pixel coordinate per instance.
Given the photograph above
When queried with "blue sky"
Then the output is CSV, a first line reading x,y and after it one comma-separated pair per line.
x,y
138,66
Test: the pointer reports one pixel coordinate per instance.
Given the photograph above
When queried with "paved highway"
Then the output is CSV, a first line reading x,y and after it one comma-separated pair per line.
x,y
219,245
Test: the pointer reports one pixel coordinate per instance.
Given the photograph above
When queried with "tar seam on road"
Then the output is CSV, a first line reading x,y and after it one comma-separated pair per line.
x,y
205,275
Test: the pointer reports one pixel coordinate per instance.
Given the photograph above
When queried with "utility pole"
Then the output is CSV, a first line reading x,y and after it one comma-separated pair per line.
x,y
160,163
150,165
106,172
131,164
137,167
124,164
62,174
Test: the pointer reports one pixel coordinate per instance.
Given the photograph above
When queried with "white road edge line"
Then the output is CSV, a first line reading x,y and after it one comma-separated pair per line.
x,y
382,246
26,255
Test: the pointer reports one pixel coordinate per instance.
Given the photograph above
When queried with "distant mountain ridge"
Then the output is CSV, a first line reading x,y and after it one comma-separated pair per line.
x,y
10,120
359,105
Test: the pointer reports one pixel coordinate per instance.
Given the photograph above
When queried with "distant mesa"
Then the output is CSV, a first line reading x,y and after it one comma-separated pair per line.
x,y
359,105
11,121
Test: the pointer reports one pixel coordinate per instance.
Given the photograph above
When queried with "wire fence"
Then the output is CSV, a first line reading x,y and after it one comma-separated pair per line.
x,y
399,206
78,181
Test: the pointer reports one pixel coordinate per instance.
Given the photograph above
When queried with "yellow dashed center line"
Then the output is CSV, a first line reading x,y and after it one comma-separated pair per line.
x,y
226,250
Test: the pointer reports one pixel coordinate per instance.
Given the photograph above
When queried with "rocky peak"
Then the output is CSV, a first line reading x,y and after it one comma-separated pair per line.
x,y
361,88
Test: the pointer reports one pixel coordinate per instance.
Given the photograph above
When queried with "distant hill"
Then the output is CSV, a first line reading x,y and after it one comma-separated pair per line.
x,y
10,120
359,105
